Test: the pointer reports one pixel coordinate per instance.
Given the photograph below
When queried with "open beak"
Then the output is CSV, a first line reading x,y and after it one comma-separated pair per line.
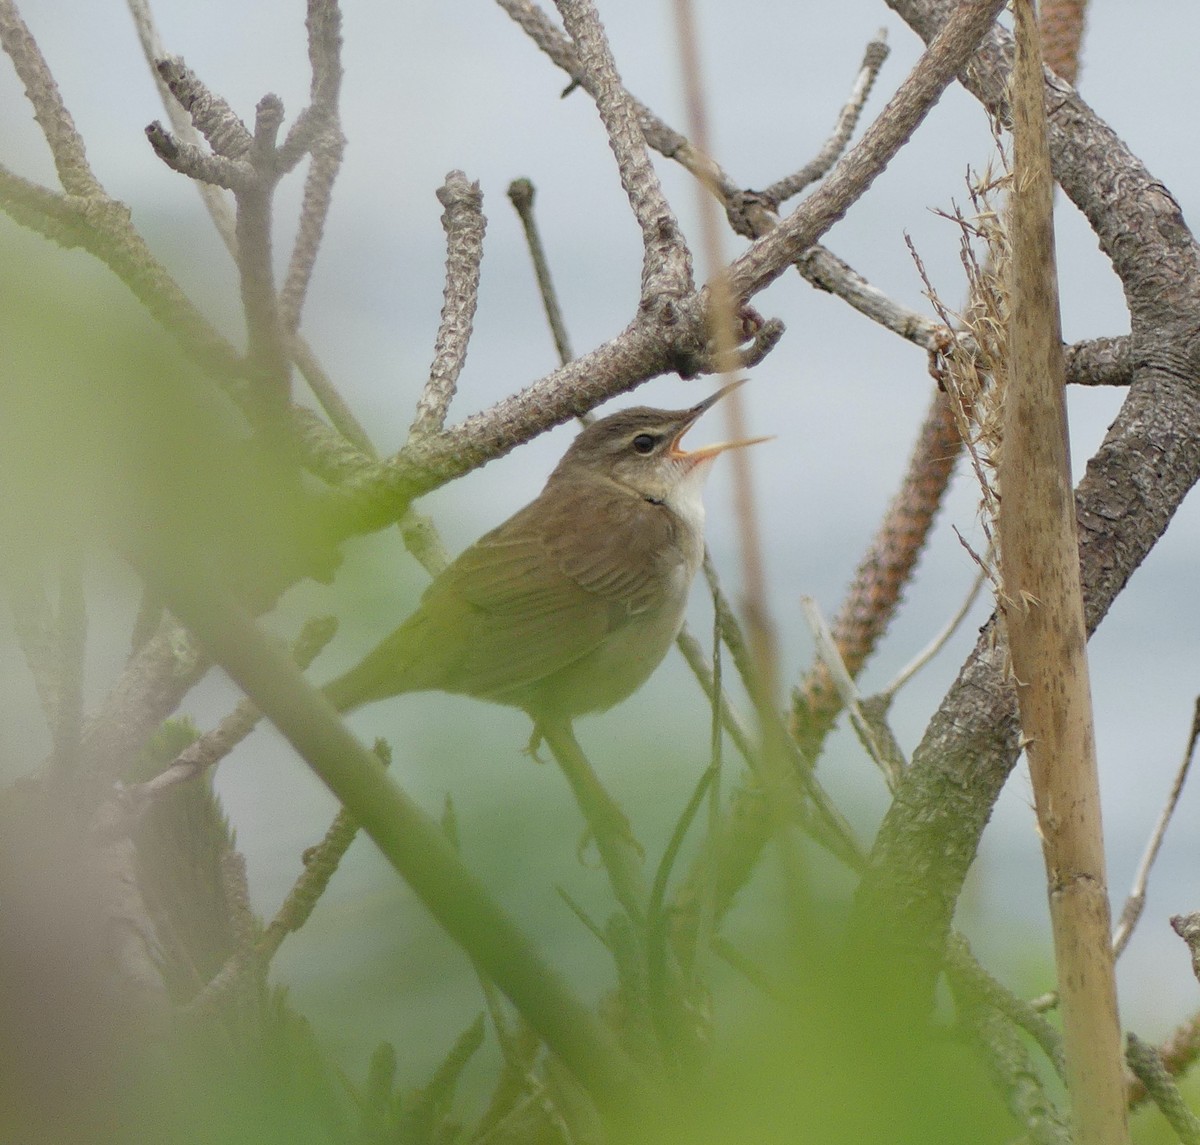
x,y
705,452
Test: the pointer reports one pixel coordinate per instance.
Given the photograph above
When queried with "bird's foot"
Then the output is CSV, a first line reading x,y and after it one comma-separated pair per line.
x,y
535,742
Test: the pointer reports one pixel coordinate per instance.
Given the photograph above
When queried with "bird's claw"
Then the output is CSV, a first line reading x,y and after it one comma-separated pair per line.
x,y
535,742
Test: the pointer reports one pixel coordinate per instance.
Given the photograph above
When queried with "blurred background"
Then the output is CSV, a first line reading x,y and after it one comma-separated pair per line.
x,y
433,87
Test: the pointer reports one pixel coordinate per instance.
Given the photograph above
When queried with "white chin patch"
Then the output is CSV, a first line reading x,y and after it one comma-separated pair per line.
x,y
686,498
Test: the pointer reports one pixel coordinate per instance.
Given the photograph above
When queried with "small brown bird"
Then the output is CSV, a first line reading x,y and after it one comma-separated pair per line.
x,y
568,606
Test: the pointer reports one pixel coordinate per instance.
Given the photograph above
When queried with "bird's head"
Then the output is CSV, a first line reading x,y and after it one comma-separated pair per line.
x,y
640,449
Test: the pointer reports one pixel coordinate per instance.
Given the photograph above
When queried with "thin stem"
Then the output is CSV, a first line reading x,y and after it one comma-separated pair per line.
x,y
1136,902
706,925
521,195
662,875
878,747
411,841
938,642
763,645
336,409
619,851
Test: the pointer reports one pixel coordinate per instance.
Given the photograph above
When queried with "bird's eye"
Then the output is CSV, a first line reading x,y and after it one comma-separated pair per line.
x,y
645,442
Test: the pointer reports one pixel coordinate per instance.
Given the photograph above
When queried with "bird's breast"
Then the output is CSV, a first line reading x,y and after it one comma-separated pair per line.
x,y
637,641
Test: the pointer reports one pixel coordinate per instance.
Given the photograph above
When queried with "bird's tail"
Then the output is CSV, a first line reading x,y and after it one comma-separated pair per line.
x,y
384,672
349,690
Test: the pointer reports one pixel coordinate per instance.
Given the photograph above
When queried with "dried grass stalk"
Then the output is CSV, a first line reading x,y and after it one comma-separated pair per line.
x,y
1043,611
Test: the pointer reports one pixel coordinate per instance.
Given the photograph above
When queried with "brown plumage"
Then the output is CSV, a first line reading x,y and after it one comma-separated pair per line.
x,y
569,605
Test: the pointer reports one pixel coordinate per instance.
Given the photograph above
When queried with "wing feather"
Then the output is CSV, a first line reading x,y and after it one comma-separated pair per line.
x,y
545,589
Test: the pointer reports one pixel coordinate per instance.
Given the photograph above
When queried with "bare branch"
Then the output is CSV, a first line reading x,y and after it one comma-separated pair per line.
x,y
224,218
326,144
157,677
1148,1066
464,224
826,271
217,205
873,59
253,183
332,402
1014,1074
102,227
965,970
1187,926
749,214
320,864
265,354
666,267
770,255
615,367
196,163
66,144
664,139
1125,501
1180,1050
521,194
1100,362
213,746
220,125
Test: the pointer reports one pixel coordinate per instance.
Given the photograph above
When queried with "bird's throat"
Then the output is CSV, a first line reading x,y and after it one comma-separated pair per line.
x,y
685,497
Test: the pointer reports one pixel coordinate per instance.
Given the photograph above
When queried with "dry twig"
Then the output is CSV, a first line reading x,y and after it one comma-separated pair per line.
x,y
1131,912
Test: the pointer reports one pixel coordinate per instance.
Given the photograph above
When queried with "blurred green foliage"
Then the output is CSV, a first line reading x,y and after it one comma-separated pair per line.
x,y
110,437
109,434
